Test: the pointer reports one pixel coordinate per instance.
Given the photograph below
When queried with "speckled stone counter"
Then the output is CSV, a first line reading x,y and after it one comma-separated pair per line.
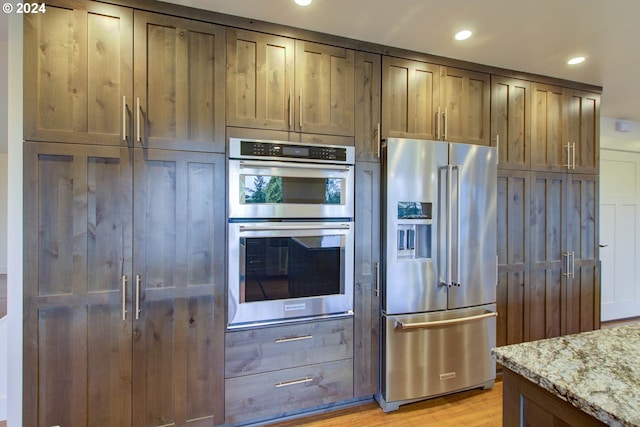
x,y
597,372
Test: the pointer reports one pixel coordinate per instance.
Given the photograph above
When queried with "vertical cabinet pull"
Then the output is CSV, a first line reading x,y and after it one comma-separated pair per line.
x,y
438,124
377,288
290,109
573,260
124,118
378,140
138,282
300,99
568,147
573,156
138,119
497,148
446,118
565,255
124,297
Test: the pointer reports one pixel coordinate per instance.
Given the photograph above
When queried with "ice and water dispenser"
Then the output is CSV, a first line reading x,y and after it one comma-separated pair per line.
x,y
414,230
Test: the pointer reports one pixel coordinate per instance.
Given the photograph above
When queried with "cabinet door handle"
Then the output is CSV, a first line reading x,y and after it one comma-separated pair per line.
x,y
573,263
438,124
294,382
566,256
124,118
290,109
291,339
300,99
378,141
138,119
138,282
497,148
377,288
124,297
573,156
446,123
568,147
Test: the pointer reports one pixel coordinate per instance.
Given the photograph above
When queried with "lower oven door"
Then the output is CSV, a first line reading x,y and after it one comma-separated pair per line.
x,y
283,271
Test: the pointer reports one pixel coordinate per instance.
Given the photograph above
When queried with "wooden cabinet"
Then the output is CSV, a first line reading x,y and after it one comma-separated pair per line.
x,y
122,286
511,122
367,275
513,256
107,75
564,299
367,110
291,85
582,130
272,372
565,130
428,101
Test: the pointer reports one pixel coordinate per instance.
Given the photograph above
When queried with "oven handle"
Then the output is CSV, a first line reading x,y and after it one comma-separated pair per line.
x,y
294,227
247,164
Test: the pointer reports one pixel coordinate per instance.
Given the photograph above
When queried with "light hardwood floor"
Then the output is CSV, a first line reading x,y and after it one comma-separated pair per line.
x,y
474,408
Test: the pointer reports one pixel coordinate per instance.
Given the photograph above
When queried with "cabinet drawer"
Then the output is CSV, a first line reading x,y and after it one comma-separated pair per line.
x,y
262,350
279,393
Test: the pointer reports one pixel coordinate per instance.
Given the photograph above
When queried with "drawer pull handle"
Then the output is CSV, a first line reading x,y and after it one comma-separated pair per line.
x,y
294,382
303,337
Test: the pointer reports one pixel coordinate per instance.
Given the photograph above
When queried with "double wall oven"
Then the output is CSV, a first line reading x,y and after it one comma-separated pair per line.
x,y
291,243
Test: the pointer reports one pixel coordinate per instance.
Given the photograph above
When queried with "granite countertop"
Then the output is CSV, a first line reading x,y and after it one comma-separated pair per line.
x,y
597,372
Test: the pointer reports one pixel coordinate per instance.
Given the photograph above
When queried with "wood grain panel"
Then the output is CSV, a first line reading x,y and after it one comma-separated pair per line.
x,y
548,245
367,106
260,80
511,122
548,152
324,89
179,78
262,350
410,98
178,219
81,57
367,261
258,396
583,129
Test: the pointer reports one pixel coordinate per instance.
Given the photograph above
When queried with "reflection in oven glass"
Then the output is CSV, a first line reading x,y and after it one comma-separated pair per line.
x,y
277,189
292,267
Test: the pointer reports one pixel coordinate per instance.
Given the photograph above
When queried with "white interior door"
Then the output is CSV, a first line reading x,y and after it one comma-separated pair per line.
x,y
619,234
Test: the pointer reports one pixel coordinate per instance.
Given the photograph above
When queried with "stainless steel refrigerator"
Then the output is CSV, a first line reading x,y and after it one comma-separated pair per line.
x,y
439,270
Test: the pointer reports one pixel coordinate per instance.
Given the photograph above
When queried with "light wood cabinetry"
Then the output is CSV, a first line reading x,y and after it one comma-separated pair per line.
x,y
121,288
511,122
85,86
548,148
275,371
291,85
367,111
367,271
428,101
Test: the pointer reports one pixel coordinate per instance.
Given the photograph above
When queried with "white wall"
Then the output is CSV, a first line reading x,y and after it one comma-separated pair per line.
x,y
14,219
3,205
614,140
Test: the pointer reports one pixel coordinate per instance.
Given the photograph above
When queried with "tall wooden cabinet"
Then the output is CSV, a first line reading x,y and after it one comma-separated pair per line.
x,y
511,122
428,101
124,273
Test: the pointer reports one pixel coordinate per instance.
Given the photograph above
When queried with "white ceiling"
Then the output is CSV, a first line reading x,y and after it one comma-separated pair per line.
x,y
536,36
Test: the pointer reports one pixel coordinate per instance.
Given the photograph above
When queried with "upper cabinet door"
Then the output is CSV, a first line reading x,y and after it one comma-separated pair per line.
x,y
260,80
410,99
511,122
549,151
367,112
78,73
179,83
464,103
583,130
324,89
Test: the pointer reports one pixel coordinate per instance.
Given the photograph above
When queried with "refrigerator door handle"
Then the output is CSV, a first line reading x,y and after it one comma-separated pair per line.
x,y
447,199
457,169
447,322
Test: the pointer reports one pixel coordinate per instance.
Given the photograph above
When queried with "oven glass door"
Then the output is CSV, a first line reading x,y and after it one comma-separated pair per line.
x,y
288,270
271,189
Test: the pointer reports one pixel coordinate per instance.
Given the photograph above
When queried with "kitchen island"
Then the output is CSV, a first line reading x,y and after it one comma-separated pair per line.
x,y
592,378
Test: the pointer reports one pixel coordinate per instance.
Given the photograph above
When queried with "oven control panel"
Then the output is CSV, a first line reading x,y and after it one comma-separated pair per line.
x,y
289,151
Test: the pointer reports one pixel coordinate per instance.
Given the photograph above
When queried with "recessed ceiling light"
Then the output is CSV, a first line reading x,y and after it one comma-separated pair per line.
x,y
576,60
303,2
463,35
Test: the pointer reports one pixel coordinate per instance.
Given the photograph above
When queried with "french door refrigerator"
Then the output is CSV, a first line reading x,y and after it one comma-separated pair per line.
x,y
439,270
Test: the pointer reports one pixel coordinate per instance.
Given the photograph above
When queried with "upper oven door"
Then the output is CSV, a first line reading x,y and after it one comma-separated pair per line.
x,y
273,189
